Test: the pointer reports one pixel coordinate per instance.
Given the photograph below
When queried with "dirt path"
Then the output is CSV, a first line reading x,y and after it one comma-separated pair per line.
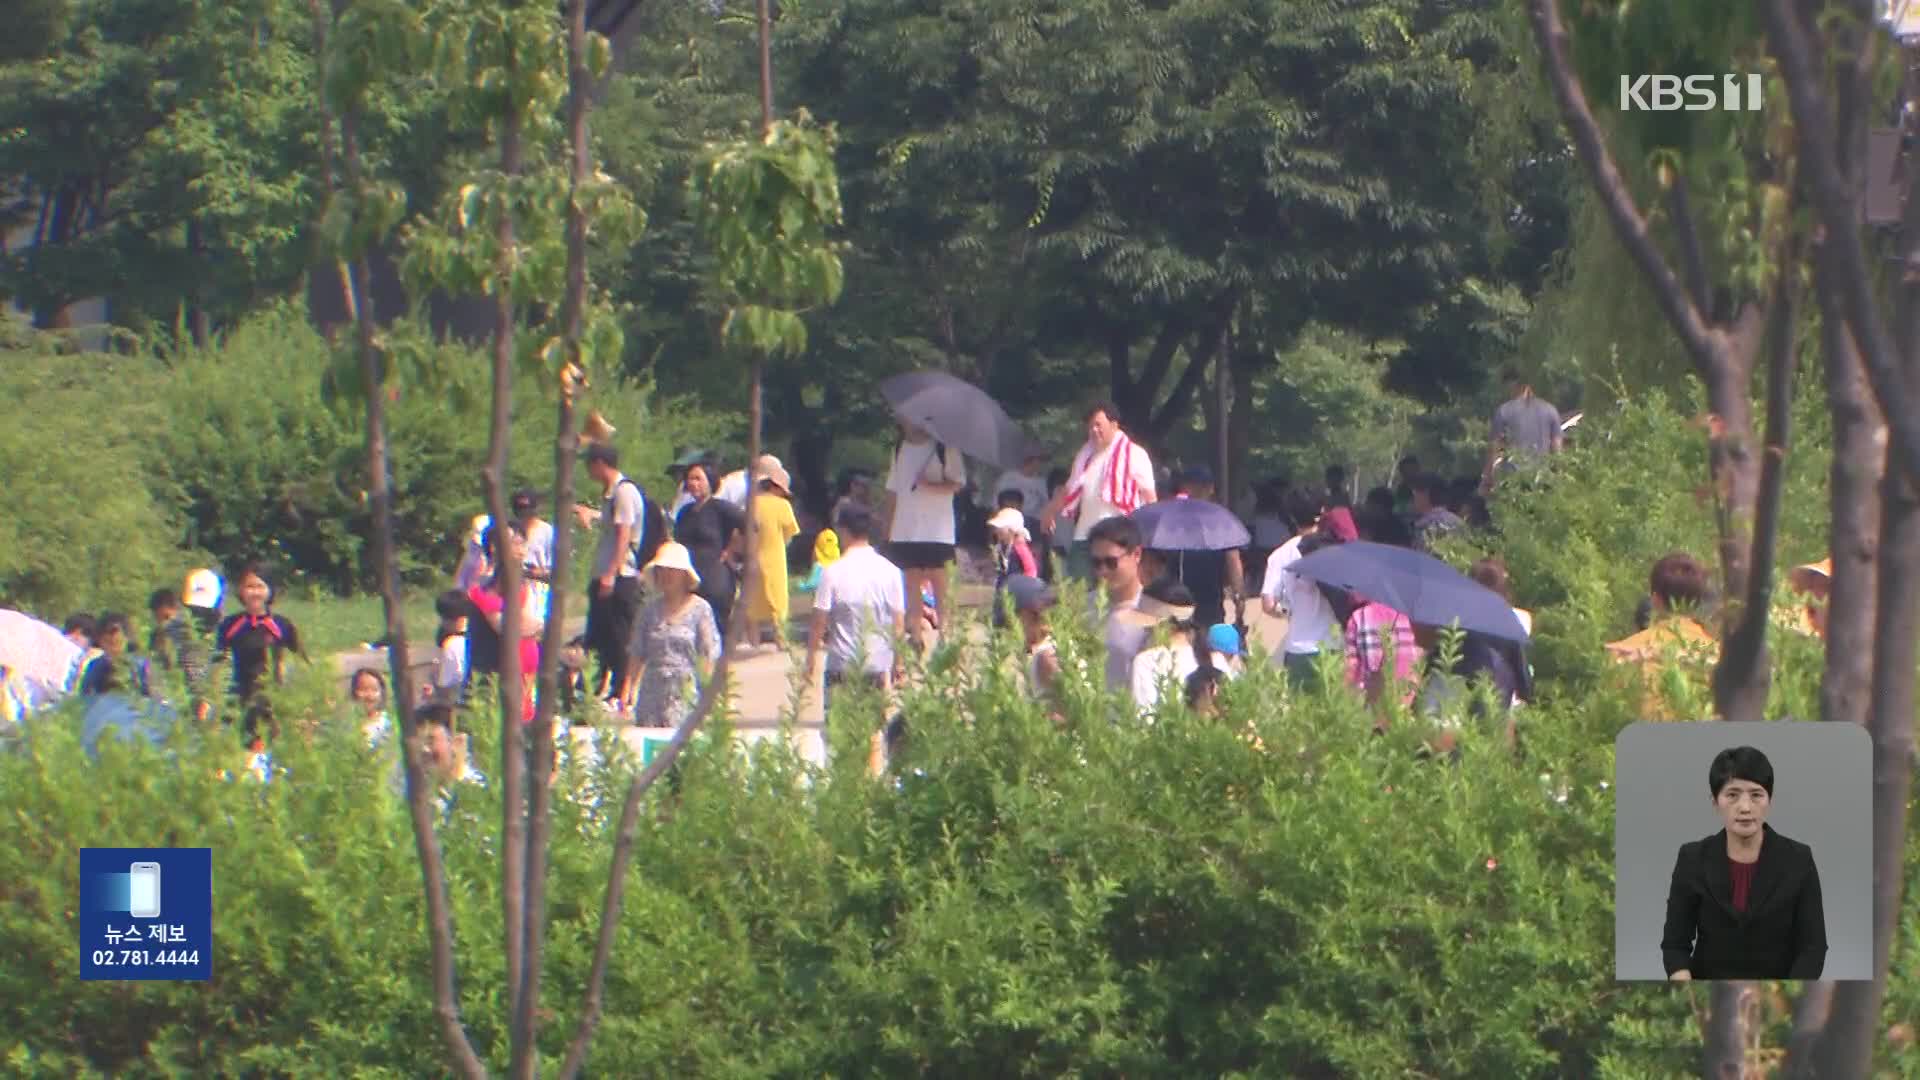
x,y
763,684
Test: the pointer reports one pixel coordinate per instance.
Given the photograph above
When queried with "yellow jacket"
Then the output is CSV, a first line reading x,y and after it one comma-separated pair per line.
x,y
1675,644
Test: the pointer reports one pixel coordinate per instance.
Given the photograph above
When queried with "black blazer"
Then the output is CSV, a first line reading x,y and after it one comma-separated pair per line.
x,y
1782,934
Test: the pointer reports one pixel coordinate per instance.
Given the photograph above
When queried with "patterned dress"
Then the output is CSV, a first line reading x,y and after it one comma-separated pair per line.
x,y
672,647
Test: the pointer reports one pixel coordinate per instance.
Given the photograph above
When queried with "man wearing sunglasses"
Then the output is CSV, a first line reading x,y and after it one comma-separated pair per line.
x,y
1114,550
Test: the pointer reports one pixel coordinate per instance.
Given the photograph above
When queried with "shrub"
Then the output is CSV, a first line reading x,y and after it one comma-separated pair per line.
x,y
263,465
81,525
1017,900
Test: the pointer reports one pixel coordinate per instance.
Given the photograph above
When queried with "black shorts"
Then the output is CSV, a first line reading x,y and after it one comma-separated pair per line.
x,y
920,556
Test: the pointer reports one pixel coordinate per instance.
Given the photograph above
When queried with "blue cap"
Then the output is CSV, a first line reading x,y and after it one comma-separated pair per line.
x,y
1223,638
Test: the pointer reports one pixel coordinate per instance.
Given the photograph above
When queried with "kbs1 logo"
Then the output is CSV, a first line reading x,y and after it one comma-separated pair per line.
x,y
1694,93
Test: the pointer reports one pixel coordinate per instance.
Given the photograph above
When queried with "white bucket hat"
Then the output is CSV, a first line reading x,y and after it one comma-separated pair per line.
x,y
674,556
204,589
1012,520
769,468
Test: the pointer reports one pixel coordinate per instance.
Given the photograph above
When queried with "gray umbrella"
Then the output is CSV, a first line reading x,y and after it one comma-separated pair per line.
x,y
959,414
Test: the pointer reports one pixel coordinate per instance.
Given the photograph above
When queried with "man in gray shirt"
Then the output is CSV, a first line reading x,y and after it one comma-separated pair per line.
x,y
613,593
1524,427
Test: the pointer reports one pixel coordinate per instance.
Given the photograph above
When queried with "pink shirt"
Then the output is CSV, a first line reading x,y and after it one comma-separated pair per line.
x,y
491,602
1020,558
1369,629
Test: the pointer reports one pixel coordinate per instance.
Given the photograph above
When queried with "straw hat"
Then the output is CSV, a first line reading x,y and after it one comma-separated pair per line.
x,y
1011,520
768,467
675,556
1809,577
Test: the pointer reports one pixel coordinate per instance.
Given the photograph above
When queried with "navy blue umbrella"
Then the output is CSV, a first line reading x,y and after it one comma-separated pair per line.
x,y
1183,524
1419,586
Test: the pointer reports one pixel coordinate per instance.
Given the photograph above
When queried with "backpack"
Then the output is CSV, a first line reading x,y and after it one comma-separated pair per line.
x,y
653,526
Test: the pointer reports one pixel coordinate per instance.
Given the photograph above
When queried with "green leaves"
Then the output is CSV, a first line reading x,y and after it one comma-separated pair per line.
x,y
767,209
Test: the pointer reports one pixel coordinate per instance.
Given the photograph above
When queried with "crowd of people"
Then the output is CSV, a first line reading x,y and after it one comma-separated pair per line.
x,y
664,585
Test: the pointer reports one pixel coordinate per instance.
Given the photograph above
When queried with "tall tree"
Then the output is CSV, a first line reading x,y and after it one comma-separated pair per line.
x,y
1142,170
1826,55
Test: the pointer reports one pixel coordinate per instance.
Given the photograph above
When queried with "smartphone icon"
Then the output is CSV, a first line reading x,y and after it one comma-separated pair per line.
x,y
143,895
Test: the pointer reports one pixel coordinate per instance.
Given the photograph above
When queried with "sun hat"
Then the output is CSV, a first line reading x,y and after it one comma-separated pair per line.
x,y
1224,639
1808,576
674,556
1011,520
768,467
1030,593
203,589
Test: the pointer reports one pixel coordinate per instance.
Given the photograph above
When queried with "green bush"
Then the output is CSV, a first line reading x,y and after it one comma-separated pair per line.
x,y
264,465
82,526
1015,901
1579,542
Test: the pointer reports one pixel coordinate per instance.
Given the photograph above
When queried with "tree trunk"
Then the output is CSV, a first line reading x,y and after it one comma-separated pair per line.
x,y
566,448
507,574
1846,1050
746,632
1742,678
1859,461
1240,420
355,287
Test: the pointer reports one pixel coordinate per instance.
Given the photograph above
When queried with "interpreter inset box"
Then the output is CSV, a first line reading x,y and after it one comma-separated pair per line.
x,y
1743,851
146,914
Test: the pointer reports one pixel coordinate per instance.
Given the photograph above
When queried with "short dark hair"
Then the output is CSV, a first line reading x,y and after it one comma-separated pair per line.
x,y
1121,532
81,623
433,714
1380,499
1492,573
251,568
854,520
706,470
353,680
452,604
526,499
112,620
1203,683
1303,505
1679,580
162,600
1012,497
602,454
1101,408
486,538
1428,484
1740,763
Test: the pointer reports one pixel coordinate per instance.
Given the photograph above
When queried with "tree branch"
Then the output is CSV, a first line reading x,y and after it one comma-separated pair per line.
x,y
710,697
446,1002
1687,319
1743,673
1160,362
1839,211
526,1015
1693,260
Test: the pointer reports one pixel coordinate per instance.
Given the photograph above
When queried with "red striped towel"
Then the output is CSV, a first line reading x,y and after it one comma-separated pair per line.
x,y
1117,486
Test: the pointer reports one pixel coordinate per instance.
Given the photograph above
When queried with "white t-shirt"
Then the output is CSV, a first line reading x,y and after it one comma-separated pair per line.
x,y
920,516
733,488
450,667
1309,616
1032,489
539,557
861,593
1155,668
1094,507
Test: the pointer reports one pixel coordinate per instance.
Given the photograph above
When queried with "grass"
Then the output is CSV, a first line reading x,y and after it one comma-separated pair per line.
x,y
332,624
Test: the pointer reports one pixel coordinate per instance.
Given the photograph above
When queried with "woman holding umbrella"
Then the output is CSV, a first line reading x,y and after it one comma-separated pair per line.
x,y
925,476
